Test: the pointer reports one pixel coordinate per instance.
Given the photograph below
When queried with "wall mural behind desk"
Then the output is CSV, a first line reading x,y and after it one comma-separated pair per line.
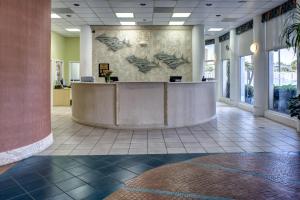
x,y
171,60
113,43
143,64
156,60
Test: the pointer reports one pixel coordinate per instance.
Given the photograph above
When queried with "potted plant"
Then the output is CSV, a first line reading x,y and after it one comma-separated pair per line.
x,y
294,108
291,37
107,74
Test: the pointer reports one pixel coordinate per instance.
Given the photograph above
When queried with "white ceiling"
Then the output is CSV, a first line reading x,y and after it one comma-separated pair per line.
x,y
102,12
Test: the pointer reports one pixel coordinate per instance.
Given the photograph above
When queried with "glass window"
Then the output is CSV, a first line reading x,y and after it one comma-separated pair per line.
x,y
247,80
226,78
209,65
282,79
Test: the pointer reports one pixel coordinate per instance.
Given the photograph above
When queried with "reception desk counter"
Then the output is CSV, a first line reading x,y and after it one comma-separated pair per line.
x,y
143,104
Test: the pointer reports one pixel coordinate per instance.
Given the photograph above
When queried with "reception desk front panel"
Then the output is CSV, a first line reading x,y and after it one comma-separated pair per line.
x,y
140,104
143,104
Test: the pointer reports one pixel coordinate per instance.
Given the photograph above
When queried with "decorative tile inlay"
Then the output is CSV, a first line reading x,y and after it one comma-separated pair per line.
x,y
143,64
219,177
171,60
113,43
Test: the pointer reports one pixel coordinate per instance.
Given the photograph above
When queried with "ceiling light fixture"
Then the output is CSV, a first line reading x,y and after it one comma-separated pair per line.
x,y
181,14
215,29
218,15
142,4
76,4
73,29
176,23
208,4
128,23
124,15
55,16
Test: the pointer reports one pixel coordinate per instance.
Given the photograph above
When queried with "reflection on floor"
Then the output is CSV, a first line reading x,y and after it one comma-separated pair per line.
x,y
234,130
168,176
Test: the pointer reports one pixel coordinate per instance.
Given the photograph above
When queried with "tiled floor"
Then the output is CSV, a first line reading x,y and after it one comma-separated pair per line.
x,y
79,167
219,177
77,177
234,130
241,176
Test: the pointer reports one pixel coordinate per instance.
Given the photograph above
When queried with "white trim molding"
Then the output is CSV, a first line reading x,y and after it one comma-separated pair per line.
x,y
14,155
281,118
245,106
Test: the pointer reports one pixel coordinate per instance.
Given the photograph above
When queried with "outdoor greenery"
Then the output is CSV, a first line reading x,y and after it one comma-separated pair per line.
x,y
281,95
228,80
291,37
249,94
294,107
249,89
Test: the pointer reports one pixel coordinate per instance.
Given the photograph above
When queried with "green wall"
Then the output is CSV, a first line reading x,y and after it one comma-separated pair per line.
x,y
66,49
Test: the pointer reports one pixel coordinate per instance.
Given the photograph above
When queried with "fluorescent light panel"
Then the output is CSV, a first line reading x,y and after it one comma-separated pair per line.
x,y
124,15
127,23
73,29
176,23
55,16
181,14
215,29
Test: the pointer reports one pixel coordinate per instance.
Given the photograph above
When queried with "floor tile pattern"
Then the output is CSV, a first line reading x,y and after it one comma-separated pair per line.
x,y
219,177
77,177
164,176
234,130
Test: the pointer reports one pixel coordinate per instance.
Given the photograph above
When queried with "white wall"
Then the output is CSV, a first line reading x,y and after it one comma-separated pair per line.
x,y
225,54
273,31
244,41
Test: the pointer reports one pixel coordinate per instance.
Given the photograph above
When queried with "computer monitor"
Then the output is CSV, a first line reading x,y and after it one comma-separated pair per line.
x,y
175,78
114,78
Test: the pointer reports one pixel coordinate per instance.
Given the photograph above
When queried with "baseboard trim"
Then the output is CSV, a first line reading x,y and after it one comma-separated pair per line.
x,y
15,155
281,118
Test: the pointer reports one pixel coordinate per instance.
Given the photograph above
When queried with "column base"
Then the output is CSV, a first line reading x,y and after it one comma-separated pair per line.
x,y
15,155
258,111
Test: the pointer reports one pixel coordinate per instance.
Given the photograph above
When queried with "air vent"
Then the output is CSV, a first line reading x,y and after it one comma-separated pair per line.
x,y
163,9
229,20
62,10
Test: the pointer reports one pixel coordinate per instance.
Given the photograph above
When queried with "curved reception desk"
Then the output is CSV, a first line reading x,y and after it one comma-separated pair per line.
x,y
143,104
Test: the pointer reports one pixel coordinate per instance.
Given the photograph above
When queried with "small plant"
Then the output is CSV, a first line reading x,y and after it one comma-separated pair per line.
x,y
291,31
107,74
294,107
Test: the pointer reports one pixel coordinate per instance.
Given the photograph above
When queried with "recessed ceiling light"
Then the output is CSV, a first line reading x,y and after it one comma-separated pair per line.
x,y
76,4
176,23
55,16
73,29
181,14
215,29
127,23
208,4
124,15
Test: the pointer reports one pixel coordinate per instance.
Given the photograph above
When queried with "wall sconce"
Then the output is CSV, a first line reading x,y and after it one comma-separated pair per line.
x,y
254,47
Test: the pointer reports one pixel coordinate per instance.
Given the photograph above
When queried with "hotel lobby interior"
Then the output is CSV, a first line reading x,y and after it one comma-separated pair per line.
x,y
149,99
